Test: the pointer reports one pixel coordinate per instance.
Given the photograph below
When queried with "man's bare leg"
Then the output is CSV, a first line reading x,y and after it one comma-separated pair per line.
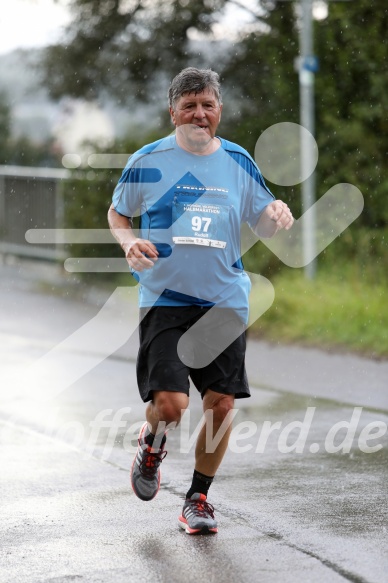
x,y
208,462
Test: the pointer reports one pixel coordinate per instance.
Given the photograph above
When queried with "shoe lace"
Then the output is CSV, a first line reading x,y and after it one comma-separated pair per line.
x,y
202,508
151,462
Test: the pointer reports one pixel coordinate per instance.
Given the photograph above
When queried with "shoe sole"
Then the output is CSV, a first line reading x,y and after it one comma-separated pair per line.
x,y
133,463
204,530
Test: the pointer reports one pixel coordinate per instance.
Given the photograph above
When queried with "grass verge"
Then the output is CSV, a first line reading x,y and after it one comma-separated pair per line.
x,y
337,310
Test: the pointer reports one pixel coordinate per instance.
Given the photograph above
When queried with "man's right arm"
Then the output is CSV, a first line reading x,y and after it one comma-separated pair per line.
x,y
135,249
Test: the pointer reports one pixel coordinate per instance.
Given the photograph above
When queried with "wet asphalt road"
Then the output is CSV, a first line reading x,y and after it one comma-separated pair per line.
x,y
299,496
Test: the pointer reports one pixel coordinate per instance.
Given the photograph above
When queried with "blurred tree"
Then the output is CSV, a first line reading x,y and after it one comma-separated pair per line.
x,y
352,103
261,78
124,45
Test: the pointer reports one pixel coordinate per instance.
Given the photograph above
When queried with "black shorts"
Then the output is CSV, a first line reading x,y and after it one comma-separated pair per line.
x,y
160,368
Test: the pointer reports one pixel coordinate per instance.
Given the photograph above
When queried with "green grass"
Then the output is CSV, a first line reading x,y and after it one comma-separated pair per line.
x,y
338,310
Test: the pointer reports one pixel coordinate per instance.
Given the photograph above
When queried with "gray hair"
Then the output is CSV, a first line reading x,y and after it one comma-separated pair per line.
x,y
192,80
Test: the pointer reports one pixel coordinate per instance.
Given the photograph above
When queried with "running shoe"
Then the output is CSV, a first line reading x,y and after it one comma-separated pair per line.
x,y
145,473
198,516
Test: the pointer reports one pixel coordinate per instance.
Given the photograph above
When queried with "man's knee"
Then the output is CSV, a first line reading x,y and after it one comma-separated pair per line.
x,y
170,406
220,405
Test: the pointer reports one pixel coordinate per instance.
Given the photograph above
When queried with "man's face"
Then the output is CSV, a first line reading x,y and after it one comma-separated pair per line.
x,y
197,116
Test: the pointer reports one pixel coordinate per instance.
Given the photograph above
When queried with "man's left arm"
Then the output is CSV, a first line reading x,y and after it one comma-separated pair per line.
x,y
275,216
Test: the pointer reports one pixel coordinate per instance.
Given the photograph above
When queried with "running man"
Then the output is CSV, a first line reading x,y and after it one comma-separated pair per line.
x,y
192,190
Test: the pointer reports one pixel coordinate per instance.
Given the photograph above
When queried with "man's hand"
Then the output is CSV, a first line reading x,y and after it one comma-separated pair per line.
x,y
275,216
136,251
134,248
279,212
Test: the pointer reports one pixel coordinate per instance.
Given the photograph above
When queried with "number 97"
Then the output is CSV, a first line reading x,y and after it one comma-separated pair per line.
x,y
196,223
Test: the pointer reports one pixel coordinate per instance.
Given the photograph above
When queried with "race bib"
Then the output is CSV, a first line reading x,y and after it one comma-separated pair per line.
x,y
199,224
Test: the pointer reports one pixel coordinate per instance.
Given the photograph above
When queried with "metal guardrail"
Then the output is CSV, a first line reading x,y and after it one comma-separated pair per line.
x,y
30,198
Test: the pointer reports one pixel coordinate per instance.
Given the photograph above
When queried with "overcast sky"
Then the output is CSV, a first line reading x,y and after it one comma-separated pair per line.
x,y
30,23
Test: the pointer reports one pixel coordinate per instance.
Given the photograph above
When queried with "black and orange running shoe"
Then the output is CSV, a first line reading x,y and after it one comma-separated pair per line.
x,y
145,473
198,516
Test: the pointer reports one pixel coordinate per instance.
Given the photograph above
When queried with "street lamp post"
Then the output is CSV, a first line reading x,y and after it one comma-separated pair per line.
x,y
307,67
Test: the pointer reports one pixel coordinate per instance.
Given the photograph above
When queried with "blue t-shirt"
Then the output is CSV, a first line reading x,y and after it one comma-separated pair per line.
x,y
192,207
